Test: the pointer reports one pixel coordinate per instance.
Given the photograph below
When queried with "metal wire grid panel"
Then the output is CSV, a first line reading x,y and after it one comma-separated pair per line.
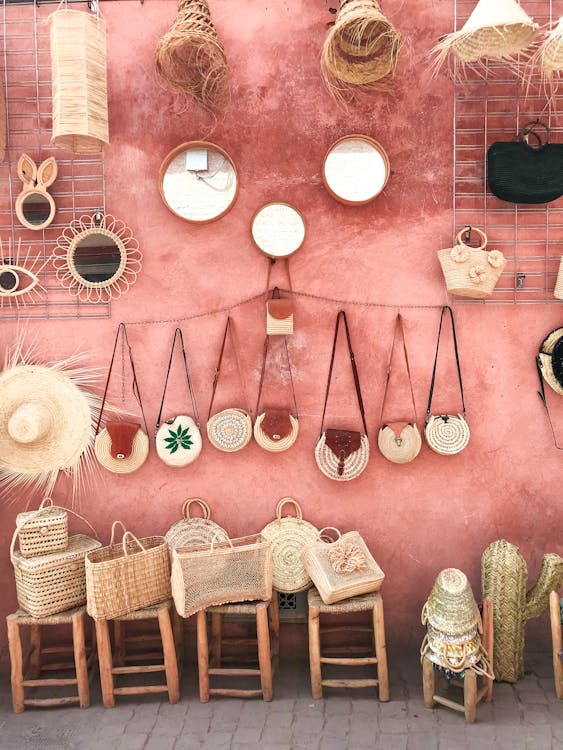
x,y
79,188
493,105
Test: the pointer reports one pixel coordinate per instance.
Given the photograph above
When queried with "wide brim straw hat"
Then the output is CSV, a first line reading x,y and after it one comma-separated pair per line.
x,y
549,55
551,359
362,46
495,30
47,423
451,606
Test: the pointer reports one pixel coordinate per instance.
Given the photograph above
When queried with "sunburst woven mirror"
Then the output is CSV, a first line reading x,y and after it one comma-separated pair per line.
x,y
97,258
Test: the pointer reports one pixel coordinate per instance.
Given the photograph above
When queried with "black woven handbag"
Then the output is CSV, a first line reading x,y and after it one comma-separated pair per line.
x,y
528,170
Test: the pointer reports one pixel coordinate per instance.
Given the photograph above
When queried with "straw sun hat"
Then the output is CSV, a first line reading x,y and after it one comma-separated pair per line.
x,y
495,30
46,423
551,359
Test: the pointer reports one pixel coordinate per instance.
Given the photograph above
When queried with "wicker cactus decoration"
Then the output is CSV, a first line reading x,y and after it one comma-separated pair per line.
x,y
504,577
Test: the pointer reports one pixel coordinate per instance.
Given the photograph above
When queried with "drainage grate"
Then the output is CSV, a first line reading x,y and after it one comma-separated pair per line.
x,y
293,607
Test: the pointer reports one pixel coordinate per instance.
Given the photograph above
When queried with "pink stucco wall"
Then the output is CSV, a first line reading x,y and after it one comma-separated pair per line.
x,y
418,518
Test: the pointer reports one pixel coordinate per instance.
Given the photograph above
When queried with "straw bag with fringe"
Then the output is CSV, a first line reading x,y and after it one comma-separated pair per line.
x,y
343,455
122,446
276,430
495,30
229,430
52,582
446,434
190,531
360,49
343,568
130,575
43,530
288,537
399,442
79,81
178,440
191,57
471,271
236,570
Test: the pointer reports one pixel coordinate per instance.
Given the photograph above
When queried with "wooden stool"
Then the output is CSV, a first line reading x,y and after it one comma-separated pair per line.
x,y
167,642
210,660
557,642
376,650
80,664
472,694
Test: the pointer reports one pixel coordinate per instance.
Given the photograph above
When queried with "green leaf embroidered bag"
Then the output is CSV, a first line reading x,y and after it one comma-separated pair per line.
x,y
178,439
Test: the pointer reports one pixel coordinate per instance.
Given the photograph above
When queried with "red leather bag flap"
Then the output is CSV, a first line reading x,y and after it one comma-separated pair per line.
x,y
280,308
397,427
276,424
122,435
343,442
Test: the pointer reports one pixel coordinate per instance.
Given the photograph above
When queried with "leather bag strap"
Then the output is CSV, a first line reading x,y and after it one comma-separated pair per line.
x,y
430,395
271,264
266,348
122,330
342,316
229,329
398,327
541,394
178,335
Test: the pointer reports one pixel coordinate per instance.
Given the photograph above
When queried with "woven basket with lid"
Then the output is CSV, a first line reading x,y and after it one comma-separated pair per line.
x,y
288,536
43,530
190,532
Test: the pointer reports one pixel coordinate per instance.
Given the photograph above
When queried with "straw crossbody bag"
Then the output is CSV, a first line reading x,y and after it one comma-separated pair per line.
x,y
446,433
343,454
122,446
549,363
229,430
528,170
399,442
178,440
276,429
279,315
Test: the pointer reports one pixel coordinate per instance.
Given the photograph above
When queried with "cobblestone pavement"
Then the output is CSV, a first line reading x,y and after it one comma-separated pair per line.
x,y
525,716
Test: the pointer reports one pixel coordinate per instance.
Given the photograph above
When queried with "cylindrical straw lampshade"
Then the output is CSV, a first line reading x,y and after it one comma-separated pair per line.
x,y
79,78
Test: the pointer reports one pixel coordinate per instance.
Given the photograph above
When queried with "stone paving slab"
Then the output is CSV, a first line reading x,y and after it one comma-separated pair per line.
x,y
526,716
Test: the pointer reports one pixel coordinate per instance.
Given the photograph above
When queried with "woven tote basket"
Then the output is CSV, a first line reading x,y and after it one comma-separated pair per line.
x,y
127,576
288,537
43,530
471,271
190,532
52,583
343,568
79,81
237,570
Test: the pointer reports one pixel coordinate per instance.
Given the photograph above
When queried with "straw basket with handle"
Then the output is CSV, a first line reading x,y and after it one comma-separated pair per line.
x,y
288,537
235,570
342,568
79,81
191,532
43,530
471,271
130,575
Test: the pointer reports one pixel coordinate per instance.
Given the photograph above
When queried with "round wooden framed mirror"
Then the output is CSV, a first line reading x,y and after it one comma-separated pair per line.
x,y
355,170
97,258
278,229
198,182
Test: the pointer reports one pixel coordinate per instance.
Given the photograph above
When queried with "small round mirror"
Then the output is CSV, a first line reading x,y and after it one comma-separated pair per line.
x,y
355,170
198,182
9,281
97,257
36,209
278,229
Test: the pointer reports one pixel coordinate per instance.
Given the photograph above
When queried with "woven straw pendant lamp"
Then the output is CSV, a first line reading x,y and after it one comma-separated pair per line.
x,y
79,81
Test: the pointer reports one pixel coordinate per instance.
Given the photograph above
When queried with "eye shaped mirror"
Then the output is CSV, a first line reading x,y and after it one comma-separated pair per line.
x,y
97,258
35,207
198,182
355,170
278,230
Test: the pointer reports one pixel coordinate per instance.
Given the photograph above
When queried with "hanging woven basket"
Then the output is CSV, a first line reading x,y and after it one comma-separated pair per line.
x,y
361,48
191,57
79,81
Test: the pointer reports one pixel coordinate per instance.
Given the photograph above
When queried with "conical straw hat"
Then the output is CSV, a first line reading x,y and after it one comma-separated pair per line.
x,y
495,30
451,606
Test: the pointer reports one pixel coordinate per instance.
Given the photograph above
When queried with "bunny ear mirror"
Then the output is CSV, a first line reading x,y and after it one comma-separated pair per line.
x,y
35,207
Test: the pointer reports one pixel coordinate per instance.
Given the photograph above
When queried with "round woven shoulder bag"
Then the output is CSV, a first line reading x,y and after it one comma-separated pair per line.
x,y
288,536
189,531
